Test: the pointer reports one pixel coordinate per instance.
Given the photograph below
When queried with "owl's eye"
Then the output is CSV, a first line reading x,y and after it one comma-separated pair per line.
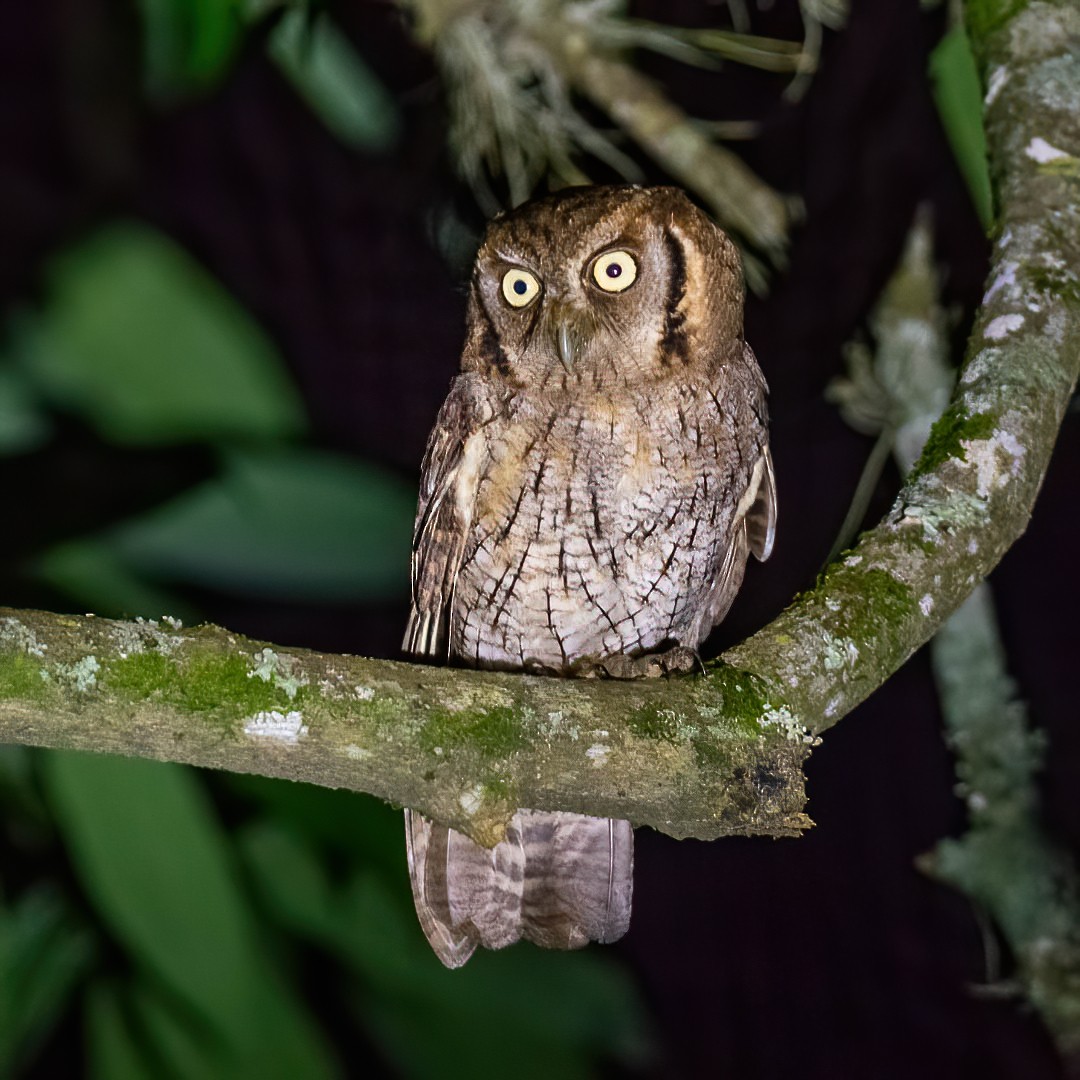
x,y
615,271
519,287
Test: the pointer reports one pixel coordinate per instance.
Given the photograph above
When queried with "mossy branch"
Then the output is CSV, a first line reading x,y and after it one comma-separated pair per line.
x,y
704,756
694,758
1026,883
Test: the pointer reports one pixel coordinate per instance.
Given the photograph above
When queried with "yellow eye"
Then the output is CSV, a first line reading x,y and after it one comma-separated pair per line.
x,y
615,271
519,287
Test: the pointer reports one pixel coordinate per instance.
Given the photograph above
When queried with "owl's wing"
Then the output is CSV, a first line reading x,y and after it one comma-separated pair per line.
x,y
754,524
448,479
759,500
760,520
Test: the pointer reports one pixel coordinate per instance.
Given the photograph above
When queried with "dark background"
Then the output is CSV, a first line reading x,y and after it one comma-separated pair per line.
x,y
827,957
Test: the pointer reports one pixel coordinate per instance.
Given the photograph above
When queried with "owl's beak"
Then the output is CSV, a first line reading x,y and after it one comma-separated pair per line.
x,y
564,340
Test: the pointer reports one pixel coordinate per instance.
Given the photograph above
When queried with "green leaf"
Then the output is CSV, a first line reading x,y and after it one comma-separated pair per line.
x,y
156,865
43,954
286,524
188,45
332,77
135,1031
23,425
114,1050
20,797
570,1010
145,344
958,94
338,825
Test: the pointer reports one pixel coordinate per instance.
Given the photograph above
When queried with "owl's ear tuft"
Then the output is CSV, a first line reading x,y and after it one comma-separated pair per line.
x,y
709,309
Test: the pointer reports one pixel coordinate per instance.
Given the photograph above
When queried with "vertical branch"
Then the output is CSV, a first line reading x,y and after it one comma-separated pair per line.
x,y
1004,862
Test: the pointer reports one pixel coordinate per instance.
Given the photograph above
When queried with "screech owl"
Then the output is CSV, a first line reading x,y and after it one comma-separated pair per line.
x,y
590,493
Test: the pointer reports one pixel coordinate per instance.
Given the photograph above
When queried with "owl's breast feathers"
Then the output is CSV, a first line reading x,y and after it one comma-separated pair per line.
x,y
554,528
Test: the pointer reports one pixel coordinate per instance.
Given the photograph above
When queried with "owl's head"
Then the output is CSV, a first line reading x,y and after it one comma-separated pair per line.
x,y
603,286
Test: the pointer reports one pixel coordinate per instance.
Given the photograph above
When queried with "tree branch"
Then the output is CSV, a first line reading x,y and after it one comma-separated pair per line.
x,y
1005,862
465,747
1017,875
705,756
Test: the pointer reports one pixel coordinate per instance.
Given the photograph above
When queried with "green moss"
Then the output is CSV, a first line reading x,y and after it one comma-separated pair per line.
x,y
948,435
493,733
20,679
650,722
221,685
217,682
139,676
882,595
497,791
867,601
1055,283
745,697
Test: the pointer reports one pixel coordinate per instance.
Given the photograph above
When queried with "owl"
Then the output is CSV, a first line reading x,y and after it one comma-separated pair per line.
x,y
593,486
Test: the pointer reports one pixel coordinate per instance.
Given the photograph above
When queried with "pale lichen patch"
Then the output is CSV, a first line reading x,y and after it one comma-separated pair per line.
x,y
554,723
81,675
839,653
472,799
1002,326
926,604
145,635
996,83
598,754
979,366
997,460
281,727
1043,152
784,720
277,670
468,698
17,635
1006,277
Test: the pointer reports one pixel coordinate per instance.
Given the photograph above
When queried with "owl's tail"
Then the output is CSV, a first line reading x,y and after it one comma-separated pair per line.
x,y
558,880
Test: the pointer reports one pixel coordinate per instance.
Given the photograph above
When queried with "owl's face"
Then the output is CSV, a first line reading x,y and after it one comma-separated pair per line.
x,y
603,286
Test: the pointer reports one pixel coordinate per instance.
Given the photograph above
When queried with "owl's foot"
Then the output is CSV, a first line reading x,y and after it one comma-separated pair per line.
x,y
676,660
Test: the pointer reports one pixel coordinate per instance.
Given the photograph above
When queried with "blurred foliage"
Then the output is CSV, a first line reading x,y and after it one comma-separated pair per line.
x,y
159,870
24,426
146,345
185,947
189,46
44,953
284,524
329,74
526,84
958,94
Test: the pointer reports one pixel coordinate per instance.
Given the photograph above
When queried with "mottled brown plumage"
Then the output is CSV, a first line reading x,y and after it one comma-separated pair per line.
x,y
593,486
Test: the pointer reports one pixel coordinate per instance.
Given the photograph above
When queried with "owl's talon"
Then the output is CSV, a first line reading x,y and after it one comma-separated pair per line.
x,y
673,661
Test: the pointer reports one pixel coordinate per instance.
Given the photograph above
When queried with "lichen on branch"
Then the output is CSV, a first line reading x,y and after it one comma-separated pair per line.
x,y
469,748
